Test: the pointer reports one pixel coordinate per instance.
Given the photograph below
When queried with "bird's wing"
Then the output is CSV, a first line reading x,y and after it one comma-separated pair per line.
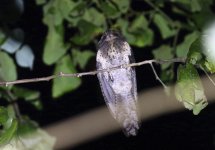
x,y
133,76
107,92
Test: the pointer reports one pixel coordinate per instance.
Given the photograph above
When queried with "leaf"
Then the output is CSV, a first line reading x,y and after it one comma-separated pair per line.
x,y
210,66
25,57
26,126
87,32
64,84
11,45
195,5
2,37
40,2
25,93
183,48
7,68
143,35
138,34
189,89
54,45
164,52
8,124
95,17
77,13
109,9
28,95
65,7
195,52
167,75
9,133
14,41
3,115
203,17
190,6
140,22
123,5
35,140
81,58
163,25
52,14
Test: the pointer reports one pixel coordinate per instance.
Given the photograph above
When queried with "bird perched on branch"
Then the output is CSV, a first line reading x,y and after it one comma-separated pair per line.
x,y
118,85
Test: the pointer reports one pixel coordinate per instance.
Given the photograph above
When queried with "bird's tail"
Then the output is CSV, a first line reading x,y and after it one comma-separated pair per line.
x,y
127,116
130,127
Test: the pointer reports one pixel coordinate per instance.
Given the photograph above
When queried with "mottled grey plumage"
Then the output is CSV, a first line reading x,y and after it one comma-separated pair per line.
x,y
118,86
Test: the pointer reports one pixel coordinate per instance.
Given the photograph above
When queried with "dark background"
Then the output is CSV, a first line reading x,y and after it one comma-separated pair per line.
x,y
175,131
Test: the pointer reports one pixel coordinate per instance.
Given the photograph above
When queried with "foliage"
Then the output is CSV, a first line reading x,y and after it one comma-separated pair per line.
x,y
189,89
175,32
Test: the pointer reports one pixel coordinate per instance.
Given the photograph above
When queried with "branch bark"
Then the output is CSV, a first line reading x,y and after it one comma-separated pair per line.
x,y
61,74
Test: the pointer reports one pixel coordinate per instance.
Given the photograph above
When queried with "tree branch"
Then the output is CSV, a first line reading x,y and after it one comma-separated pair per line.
x,y
212,81
157,77
61,74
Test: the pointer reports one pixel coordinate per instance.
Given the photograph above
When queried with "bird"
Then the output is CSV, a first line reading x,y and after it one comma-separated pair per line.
x,y
118,86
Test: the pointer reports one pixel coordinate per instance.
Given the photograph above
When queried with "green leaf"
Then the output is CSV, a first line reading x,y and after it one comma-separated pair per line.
x,y
123,5
28,95
54,46
9,125
81,58
140,22
25,93
183,48
35,140
26,126
195,52
195,5
3,115
167,75
142,34
65,7
93,16
141,38
2,37
109,9
7,68
40,2
56,11
77,13
191,6
202,18
164,52
52,16
210,66
189,89
87,32
138,34
9,133
164,26
64,84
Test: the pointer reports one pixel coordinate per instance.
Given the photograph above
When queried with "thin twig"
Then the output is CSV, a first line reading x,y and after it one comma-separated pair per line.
x,y
156,76
61,74
208,76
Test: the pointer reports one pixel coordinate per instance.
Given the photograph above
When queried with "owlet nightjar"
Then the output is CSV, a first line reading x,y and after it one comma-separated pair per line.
x,y
118,86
